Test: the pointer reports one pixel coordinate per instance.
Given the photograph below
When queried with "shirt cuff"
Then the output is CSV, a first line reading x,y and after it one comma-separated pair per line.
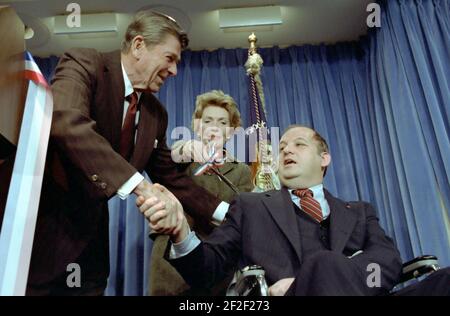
x,y
130,185
219,213
184,247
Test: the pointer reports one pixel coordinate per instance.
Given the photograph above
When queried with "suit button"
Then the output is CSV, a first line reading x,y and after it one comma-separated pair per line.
x,y
103,185
94,177
323,237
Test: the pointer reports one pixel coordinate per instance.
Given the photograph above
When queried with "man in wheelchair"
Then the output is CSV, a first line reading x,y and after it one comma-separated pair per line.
x,y
306,241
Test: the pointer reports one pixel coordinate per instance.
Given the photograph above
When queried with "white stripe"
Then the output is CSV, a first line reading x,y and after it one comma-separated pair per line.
x,y
19,193
19,222
29,65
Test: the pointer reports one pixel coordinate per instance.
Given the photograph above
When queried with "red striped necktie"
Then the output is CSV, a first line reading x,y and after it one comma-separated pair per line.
x,y
129,127
308,204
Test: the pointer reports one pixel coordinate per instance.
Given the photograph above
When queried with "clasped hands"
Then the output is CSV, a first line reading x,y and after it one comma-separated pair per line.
x,y
165,215
162,209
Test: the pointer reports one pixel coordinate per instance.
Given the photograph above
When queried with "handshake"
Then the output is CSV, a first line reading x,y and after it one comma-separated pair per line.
x,y
163,210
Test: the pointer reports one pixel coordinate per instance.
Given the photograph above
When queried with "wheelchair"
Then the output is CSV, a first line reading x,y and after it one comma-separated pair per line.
x,y
250,281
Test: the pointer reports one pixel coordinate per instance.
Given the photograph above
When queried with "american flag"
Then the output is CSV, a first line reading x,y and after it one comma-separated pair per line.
x,y
32,71
17,232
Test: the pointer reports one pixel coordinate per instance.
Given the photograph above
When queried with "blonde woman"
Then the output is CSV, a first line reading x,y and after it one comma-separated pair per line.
x,y
214,120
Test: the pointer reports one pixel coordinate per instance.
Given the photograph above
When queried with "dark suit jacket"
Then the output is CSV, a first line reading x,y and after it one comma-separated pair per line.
x,y
84,169
261,229
164,279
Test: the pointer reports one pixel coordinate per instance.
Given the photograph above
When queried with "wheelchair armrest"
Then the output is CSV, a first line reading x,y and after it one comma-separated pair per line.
x,y
249,281
418,267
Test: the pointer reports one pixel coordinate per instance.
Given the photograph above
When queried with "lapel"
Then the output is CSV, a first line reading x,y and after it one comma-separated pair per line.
x,y
227,167
146,132
115,95
342,222
280,206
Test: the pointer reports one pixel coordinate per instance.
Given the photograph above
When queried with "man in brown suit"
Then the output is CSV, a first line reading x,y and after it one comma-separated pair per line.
x,y
88,160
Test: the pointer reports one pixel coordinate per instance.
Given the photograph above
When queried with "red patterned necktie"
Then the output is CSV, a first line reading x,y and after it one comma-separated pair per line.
x,y
129,127
308,204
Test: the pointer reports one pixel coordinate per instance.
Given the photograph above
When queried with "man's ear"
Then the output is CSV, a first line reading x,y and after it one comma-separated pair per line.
x,y
326,159
137,44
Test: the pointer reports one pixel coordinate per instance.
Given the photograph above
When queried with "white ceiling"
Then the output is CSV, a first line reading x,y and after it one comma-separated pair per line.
x,y
304,22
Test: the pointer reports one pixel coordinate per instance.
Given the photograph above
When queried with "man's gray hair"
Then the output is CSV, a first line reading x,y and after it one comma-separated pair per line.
x,y
154,27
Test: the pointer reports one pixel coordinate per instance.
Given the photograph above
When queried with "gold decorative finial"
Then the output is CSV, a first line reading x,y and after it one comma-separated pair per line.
x,y
252,40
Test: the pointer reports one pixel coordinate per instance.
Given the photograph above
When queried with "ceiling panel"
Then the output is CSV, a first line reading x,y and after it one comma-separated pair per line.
x,y
304,22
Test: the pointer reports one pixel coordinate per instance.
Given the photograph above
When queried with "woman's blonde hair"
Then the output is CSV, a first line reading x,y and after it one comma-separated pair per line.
x,y
217,98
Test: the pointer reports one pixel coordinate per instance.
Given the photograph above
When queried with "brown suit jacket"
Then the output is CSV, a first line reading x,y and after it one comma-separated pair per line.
x,y
84,169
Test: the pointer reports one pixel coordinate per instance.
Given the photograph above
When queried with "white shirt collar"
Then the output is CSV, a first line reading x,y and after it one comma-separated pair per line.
x,y
318,191
128,86
128,90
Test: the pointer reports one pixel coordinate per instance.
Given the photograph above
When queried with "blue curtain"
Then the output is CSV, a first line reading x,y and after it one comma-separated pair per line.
x,y
409,80
383,104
